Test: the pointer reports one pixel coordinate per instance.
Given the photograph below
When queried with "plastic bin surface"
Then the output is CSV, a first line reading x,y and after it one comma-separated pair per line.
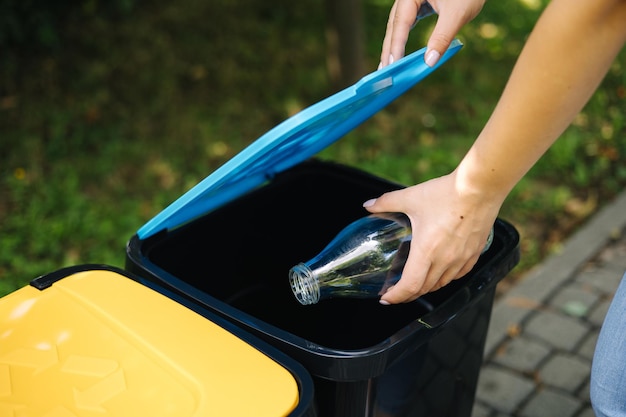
x,y
97,343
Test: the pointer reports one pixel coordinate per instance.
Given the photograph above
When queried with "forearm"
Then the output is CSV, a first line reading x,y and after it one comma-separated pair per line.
x,y
562,64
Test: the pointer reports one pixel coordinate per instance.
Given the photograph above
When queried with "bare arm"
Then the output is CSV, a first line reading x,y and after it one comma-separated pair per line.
x,y
565,59
567,55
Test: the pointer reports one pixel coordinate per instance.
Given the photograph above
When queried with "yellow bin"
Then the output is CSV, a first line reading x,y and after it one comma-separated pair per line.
x,y
89,341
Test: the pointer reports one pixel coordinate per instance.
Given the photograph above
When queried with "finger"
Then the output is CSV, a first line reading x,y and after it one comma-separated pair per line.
x,y
410,286
444,279
386,50
446,28
467,268
388,202
401,19
438,277
451,275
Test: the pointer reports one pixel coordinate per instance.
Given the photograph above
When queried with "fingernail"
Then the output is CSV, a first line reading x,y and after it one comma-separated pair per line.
x,y
383,302
391,59
369,203
380,65
431,58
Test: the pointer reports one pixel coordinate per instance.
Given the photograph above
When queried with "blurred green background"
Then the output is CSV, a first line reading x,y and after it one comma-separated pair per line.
x,y
111,110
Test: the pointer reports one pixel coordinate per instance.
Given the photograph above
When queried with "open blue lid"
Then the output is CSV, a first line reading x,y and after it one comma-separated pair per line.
x,y
296,139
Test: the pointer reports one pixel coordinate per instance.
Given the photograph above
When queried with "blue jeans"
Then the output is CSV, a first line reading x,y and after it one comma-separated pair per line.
x,y
608,371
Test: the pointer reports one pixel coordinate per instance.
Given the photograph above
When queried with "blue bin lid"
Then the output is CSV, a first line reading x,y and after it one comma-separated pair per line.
x,y
296,139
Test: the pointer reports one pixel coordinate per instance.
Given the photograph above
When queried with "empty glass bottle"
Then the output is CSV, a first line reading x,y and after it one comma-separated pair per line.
x,y
362,261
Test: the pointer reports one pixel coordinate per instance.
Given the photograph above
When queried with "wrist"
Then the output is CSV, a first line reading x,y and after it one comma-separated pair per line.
x,y
479,181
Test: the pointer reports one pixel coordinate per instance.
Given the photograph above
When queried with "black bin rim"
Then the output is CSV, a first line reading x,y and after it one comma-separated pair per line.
x,y
333,363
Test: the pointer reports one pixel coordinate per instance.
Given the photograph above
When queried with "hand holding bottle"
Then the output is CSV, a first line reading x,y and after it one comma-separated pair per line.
x,y
453,223
364,260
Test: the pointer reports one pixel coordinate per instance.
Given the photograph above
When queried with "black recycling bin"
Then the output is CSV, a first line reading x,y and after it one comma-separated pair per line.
x,y
228,243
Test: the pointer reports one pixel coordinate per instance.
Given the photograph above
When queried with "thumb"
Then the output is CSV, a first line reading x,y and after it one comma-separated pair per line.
x,y
445,30
385,203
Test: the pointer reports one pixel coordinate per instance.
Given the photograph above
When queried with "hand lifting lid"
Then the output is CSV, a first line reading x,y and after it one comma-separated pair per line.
x,y
296,139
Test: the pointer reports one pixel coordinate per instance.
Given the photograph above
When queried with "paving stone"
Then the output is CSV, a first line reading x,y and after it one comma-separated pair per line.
x,y
602,279
521,354
586,412
614,256
584,392
558,330
506,313
575,300
551,403
503,390
565,371
588,346
480,410
599,312
537,287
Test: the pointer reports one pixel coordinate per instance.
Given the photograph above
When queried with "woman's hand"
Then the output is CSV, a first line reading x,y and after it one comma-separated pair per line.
x,y
450,227
453,14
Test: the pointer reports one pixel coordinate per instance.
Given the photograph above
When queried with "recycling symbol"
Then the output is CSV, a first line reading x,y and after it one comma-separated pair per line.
x,y
74,384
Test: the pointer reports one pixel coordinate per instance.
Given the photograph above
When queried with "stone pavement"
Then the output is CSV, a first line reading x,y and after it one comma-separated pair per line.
x,y
543,330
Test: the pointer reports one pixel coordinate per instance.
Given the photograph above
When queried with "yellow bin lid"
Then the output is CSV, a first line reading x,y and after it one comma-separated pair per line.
x,y
97,343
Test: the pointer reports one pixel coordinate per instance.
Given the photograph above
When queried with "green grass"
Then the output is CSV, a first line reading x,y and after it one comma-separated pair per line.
x,y
110,112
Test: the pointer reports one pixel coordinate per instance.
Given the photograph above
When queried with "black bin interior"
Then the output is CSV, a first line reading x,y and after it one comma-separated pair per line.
x,y
236,259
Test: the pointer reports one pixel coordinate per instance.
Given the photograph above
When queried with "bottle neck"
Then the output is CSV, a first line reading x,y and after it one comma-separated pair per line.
x,y
304,284
489,241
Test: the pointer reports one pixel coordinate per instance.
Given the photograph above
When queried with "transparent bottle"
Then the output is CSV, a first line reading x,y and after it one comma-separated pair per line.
x,y
362,261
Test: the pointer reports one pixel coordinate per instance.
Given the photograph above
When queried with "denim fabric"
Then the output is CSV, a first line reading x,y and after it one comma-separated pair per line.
x,y
608,370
